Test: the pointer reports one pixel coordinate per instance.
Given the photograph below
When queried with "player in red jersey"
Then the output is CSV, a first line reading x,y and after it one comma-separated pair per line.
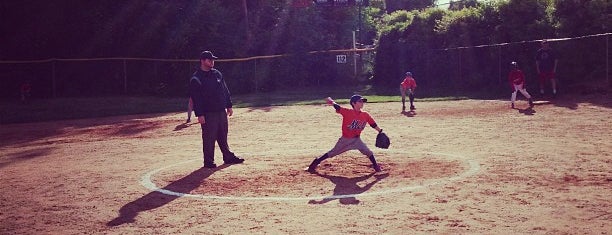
x,y
408,86
517,83
25,90
353,122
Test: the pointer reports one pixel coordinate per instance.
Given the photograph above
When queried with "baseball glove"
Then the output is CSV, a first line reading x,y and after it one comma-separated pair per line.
x,y
382,140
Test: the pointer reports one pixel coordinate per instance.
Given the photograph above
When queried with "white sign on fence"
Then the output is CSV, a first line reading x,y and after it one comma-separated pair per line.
x,y
341,59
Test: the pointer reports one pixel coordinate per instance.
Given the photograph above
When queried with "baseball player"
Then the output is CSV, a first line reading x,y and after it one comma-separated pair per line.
x,y
25,90
408,86
189,110
546,65
517,83
353,122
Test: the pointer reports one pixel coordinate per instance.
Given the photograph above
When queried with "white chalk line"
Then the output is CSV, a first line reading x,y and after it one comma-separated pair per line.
x,y
474,167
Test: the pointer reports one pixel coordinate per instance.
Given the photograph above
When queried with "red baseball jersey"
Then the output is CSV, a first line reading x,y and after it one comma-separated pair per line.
x,y
353,122
516,77
408,83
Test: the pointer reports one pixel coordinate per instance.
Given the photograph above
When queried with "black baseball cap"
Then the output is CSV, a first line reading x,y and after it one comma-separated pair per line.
x,y
356,98
208,55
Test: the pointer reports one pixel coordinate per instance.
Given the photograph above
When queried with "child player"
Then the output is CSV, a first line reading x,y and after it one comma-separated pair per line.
x,y
408,86
517,82
353,122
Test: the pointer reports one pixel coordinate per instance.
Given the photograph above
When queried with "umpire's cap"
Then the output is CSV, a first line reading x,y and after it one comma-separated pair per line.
x,y
207,55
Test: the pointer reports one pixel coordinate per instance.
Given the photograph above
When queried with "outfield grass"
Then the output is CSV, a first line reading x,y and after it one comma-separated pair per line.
x,y
12,111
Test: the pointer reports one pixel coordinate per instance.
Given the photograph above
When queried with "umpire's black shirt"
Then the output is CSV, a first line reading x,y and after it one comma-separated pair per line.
x,y
209,92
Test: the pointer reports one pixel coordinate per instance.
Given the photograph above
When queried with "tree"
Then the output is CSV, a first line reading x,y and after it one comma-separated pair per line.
x,y
395,5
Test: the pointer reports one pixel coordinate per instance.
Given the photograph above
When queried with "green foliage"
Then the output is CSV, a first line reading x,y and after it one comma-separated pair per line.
x,y
409,35
407,5
576,18
396,22
415,40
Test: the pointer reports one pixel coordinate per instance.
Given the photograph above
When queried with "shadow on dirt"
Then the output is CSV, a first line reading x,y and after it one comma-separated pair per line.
x,y
120,126
184,125
348,186
411,113
529,111
25,155
155,199
262,108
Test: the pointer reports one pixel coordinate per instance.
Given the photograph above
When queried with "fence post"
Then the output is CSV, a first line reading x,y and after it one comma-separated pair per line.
x,y
256,75
124,76
499,64
53,83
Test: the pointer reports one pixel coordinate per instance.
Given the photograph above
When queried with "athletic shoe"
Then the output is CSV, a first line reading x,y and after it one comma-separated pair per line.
x,y
234,160
531,102
210,165
412,107
313,166
377,168
512,105
188,120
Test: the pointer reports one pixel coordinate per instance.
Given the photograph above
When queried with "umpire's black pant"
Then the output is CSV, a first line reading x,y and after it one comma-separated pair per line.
x,y
214,130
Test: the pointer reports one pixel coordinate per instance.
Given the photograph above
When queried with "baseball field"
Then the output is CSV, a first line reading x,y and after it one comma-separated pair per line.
x,y
454,167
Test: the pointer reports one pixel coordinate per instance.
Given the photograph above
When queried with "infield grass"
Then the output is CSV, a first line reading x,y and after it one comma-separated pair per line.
x,y
37,110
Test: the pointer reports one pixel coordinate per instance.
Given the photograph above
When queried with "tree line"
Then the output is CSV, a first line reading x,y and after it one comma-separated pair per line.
x,y
407,34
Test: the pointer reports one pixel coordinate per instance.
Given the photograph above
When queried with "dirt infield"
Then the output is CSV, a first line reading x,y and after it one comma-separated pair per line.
x,y
457,167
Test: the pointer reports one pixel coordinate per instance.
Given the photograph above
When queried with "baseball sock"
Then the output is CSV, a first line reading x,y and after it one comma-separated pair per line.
x,y
373,160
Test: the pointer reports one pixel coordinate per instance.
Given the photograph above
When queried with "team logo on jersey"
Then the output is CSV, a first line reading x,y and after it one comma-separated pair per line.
x,y
356,125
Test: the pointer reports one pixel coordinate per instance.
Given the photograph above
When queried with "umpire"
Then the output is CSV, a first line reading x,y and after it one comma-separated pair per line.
x,y
212,104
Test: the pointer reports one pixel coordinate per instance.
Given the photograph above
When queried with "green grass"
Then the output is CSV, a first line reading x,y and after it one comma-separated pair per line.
x,y
37,110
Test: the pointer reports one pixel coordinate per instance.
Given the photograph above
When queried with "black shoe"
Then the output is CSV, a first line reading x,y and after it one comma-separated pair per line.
x,y
412,107
377,168
188,120
210,165
313,166
234,160
531,102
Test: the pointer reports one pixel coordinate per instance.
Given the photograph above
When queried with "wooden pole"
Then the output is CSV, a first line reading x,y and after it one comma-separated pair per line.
x,y
124,77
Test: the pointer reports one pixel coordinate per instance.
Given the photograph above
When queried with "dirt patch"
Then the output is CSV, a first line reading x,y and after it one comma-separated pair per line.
x,y
545,170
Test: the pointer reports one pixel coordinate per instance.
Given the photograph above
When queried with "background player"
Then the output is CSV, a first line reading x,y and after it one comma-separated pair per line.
x,y
189,109
353,122
408,86
546,65
517,83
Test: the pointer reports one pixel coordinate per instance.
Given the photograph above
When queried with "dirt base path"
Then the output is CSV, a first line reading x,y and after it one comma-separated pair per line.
x,y
456,167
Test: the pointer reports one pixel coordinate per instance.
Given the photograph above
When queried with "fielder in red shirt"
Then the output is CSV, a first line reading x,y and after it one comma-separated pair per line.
x,y
407,86
353,122
517,83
